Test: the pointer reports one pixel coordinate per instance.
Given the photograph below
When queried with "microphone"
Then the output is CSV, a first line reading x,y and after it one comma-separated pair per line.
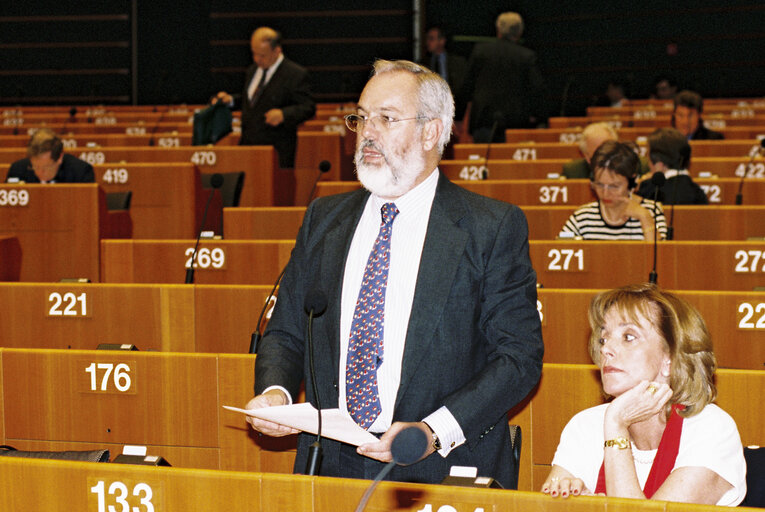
x,y
216,180
324,167
657,180
499,119
256,335
740,195
315,304
407,447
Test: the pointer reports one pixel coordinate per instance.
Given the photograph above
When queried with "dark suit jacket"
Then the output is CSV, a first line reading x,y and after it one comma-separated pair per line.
x,y
72,170
289,90
704,133
473,342
502,76
456,67
676,190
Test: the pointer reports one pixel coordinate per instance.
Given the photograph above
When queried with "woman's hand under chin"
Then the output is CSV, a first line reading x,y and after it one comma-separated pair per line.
x,y
638,404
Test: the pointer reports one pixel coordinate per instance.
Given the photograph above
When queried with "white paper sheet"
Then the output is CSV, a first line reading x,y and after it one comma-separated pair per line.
x,y
303,416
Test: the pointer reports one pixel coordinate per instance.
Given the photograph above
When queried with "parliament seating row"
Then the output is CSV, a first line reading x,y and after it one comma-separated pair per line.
x,y
86,486
573,134
684,265
713,123
570,150
264,183
732,109
172,403
704,222
722,167
220,319
574,192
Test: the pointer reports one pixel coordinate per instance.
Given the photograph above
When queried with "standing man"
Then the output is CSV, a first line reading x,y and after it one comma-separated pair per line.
x,y
431,319
276,98
503,83
451,67
46,162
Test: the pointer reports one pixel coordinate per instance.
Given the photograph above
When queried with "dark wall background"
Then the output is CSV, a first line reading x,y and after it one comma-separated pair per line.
x,y
62,52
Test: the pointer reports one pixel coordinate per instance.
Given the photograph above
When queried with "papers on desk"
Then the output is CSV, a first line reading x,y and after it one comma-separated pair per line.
x,y
334,424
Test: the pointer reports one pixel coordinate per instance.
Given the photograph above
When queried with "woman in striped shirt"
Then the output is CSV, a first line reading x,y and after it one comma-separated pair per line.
x,y
618,214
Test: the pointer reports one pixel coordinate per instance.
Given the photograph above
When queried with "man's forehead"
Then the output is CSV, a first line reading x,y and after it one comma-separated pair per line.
x,y
388,92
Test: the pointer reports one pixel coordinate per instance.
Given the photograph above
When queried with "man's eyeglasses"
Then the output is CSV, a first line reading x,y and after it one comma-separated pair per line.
x,y
355,122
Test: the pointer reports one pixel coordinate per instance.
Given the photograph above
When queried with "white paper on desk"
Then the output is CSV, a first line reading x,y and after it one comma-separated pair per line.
x,y
303,416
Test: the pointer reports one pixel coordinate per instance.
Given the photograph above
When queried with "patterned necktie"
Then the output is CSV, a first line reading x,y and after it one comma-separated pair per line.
x,y
365,347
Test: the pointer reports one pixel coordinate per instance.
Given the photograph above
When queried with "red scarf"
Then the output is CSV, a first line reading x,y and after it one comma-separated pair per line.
x,y
665,456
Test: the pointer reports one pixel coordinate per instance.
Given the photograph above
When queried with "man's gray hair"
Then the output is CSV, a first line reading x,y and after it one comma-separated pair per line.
x,y
596,129
509,26
434,95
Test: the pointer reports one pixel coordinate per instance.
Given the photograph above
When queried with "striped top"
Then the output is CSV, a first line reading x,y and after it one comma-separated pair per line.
x,y
587,222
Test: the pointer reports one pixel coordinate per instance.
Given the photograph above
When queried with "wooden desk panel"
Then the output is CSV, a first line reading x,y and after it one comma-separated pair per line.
x,y
278,223
573,134
163,261
313,148
168,199
691,222
264,183
170,399
95,140
733,327
704,265
10,258
36,315
54,245
545,222
715,123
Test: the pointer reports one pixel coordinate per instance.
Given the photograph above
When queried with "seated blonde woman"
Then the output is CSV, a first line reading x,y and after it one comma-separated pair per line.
x,y
660,437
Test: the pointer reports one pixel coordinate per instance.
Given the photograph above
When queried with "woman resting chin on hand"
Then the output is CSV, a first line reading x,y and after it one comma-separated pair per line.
x,y
661,437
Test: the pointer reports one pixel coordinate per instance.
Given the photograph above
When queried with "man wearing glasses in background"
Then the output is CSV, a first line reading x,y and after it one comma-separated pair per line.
x,y
46,162
431,319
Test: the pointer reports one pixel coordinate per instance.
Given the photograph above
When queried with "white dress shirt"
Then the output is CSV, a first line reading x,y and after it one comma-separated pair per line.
x,y
259,74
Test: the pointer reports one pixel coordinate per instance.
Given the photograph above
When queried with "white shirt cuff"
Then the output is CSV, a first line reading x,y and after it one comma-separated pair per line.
x,y
447,429
289,397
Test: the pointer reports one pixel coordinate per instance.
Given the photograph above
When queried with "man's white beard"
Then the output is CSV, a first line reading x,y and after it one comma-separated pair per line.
x,y
393,178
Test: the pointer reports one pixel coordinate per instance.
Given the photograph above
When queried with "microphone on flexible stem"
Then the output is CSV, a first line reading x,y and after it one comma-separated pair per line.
x,y
256,335
315,304
671,227
499,119
216,180
740,195
324,167
407,447
658,180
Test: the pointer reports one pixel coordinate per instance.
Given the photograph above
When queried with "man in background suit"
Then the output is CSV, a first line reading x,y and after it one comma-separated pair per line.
x,y
450,66
276,98
686,117
46,162
503,83
593,135
461,343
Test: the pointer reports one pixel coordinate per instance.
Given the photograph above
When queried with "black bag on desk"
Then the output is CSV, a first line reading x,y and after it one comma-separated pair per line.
x,y
84,456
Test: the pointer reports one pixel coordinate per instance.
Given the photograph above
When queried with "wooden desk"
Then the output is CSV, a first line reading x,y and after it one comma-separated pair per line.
x,y
264,223
545,222
691,222
313,148
80,486
95,140
168,200
218,261
731,318
573,134
168,317
716,122
708,265
264,183
57,239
